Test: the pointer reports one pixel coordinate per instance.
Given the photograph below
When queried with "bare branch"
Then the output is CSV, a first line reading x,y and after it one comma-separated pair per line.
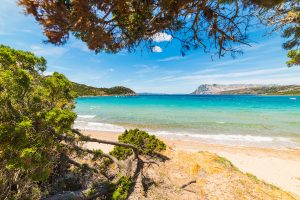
x,y
89,139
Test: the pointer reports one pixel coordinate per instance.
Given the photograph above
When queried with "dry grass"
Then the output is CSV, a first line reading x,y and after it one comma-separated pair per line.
x,y
205,175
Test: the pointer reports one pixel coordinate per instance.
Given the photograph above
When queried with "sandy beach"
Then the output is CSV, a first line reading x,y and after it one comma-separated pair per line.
x,y
280,167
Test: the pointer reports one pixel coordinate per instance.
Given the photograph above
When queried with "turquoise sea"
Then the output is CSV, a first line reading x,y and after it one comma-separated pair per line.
x,y
270,121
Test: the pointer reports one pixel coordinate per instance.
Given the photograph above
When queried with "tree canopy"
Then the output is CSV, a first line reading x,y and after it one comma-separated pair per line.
x,y
34,112
285,16
126,24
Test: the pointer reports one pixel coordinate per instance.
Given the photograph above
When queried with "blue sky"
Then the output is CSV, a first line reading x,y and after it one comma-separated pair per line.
x,y
163,71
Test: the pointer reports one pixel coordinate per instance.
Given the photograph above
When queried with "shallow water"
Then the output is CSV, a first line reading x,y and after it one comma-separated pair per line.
x,y
228,119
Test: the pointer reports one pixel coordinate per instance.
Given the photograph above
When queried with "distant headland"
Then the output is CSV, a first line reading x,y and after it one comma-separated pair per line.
x,y
255,89
85,90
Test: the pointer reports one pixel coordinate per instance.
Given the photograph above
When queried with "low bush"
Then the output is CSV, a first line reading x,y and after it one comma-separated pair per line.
x,y
147,144
122,188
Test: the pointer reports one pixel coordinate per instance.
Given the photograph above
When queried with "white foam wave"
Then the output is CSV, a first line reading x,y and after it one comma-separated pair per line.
x,y
86,116
97,126
94,107
246,138
226,138
79,121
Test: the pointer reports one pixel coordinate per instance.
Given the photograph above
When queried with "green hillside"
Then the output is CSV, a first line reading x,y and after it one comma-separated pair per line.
x,y
272,90
84,90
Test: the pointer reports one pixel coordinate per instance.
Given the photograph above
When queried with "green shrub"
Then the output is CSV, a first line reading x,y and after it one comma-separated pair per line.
x,y
122,188
146,144
35,111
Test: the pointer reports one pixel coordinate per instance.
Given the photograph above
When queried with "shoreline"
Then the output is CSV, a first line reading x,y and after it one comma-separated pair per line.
x,y
141,94
280,167
247,140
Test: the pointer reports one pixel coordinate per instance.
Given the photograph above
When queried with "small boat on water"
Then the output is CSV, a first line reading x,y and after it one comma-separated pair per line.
x,y
293,98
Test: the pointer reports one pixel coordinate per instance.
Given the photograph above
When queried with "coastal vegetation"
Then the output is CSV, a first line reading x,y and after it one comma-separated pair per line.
x,y
40,154
218,27
146,144
35,113
84,90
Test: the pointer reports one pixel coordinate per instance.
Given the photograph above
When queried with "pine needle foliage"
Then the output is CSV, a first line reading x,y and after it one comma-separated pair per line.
x,y
147,144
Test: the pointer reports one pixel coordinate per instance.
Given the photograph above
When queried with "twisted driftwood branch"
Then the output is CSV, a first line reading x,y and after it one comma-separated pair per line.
x,y
89,139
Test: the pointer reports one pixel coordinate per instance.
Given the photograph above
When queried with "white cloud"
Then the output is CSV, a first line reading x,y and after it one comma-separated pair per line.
x,y
205,75
48,51
126,81
209,70
233,62
171,59
145,69
123,52
161,37
157,49
46,73
187,83
77,44
27,31
4,33
61,68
